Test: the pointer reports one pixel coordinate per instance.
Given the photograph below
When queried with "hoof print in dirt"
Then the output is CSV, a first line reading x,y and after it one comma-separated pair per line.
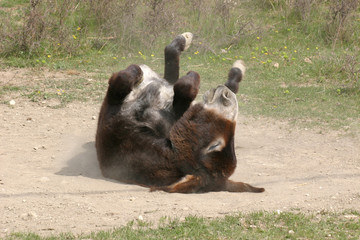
x,y
151,132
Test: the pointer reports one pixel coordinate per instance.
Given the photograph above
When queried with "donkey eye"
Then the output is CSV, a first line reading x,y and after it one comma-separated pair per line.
x,y
216,145
213,147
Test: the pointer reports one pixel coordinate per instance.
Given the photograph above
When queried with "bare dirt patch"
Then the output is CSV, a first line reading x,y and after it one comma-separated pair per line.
x,y
50,180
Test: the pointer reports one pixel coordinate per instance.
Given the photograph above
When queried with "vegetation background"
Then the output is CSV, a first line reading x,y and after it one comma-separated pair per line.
x,y
303,56
303,60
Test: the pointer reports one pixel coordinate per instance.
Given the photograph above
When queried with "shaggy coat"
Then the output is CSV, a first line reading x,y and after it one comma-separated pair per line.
x,y
151,133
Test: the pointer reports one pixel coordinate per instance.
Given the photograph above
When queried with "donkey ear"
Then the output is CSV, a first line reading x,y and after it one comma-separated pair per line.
x,y
216,146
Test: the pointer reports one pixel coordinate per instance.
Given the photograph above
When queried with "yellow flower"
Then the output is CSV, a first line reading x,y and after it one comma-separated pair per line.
x,y
316,48
152,55
59,92
197,52
49,56
285,47
308,49
115,58
140,53
74,36
295,51
257,38
78,28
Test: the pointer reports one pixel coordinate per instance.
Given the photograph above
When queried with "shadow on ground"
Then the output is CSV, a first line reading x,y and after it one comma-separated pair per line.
x,y
83,164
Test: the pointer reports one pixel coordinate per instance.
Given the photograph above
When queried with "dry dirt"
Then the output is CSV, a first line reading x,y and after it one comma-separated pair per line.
x,y
50,180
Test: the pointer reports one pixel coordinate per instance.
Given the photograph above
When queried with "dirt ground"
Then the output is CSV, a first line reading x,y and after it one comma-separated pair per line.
x,y
50,181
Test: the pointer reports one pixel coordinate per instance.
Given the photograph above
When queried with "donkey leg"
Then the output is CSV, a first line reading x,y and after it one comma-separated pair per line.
x,y
232,186
188,184
236,74
122,83
172,56
185,91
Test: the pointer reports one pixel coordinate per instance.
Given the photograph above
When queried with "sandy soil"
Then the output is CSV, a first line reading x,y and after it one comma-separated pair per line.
x,y
50,180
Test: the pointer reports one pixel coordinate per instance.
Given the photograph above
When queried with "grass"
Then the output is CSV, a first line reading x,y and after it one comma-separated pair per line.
x,y
294,73
12,3
257,225
305,93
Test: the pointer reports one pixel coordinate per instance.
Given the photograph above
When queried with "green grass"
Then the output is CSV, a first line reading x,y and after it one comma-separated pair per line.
x,y
310,94
12,3
258,225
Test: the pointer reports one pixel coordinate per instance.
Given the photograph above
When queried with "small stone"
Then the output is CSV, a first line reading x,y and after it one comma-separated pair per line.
x,y
276,65
351,216
307,60
291,232
44,179
93,118
12,102
141,218
28,216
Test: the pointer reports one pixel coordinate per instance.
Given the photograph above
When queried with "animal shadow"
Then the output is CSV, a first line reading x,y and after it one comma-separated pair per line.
x,y
83,164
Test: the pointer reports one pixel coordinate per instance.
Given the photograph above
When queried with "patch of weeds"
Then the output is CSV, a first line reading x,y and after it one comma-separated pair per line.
x,y
9,88
12,3
256,225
